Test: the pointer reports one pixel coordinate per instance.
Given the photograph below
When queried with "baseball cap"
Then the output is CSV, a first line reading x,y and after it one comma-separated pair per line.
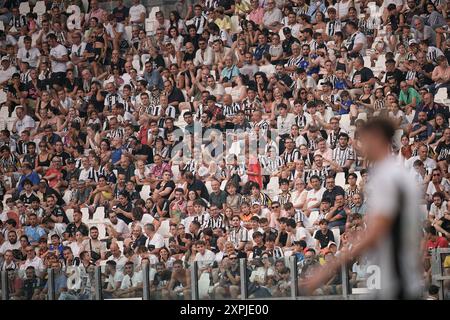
x,y
256,203
286,30
309,249
412,58
331,243
70,160
412,41
5,58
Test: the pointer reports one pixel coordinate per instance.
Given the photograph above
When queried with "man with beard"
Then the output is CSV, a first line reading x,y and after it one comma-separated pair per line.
x,y
422,130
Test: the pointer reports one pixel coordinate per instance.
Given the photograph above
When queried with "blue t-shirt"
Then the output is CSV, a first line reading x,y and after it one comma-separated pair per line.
x,y
340,85
33,177
345,107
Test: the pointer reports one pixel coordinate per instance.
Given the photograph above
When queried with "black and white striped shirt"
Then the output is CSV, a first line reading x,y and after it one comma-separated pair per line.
x,y
333,27
291,156
95,174
214,223
342,155
116,133
433,53
270,165
154,111
199,23
283,198
322,173
263,125
250,106
111,99
230,110
238,235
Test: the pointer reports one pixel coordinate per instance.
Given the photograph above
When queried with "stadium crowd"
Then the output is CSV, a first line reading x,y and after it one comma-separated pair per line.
x,y
111,122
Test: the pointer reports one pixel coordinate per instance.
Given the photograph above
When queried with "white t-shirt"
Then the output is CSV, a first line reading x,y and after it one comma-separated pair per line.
x,y
120,262
33,56
135,12
314,196
118,277
59,51
129,282
26,122
206,259
157,240
78,50
121,227
8,246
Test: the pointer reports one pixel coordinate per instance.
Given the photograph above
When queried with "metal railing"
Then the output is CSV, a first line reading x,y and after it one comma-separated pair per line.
x,y
439,277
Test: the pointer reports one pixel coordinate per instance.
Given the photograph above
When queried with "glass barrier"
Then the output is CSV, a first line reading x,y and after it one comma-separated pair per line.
x,y
445,258
80,283
219,280
268,277
308,266
169,281
24,284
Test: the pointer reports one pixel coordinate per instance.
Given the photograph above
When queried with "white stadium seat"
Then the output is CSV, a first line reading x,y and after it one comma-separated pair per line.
x,y
337,236
145,192
85,215
69,214
99,214
40,8
340,179
24,8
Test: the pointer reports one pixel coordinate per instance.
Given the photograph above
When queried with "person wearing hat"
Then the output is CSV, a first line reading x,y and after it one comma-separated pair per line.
x,y
7,70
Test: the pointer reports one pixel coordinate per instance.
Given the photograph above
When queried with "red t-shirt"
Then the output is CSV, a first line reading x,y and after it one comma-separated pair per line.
x,y
440,242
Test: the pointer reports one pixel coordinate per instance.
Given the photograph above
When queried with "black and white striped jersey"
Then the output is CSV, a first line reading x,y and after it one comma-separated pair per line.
x,y
333,27
230,110
290,156
95,174
342,155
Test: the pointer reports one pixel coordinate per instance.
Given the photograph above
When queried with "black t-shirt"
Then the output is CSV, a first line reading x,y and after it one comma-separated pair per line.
x,y
121,13
443,151
128,172
423,79
287,45
398,75
72,229
324,239
119,64
198,185
28,199
258,251
331,195
59,212
169,184
69,85
193,40
176,95
146,151
445,224
128,208
158,61
363,75
63,155
226,4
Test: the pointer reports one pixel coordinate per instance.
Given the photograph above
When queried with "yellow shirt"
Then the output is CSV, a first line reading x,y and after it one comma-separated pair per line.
x,y
242,7
224,23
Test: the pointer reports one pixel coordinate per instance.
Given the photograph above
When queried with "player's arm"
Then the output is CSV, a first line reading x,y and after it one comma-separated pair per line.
x,y
380,224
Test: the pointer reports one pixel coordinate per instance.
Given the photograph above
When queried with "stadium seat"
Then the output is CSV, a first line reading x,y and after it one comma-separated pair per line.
x,y
340,179
398,138
149,26
120,244
85,215
85,5
337,236
223,184
128,31
145,192
235,27
40,8
164,228
362,116
24,8
3,96
69,214
136,63
358,174
441,95
176,172
152,13
99,214
313,217
2,26
208,186
344,122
